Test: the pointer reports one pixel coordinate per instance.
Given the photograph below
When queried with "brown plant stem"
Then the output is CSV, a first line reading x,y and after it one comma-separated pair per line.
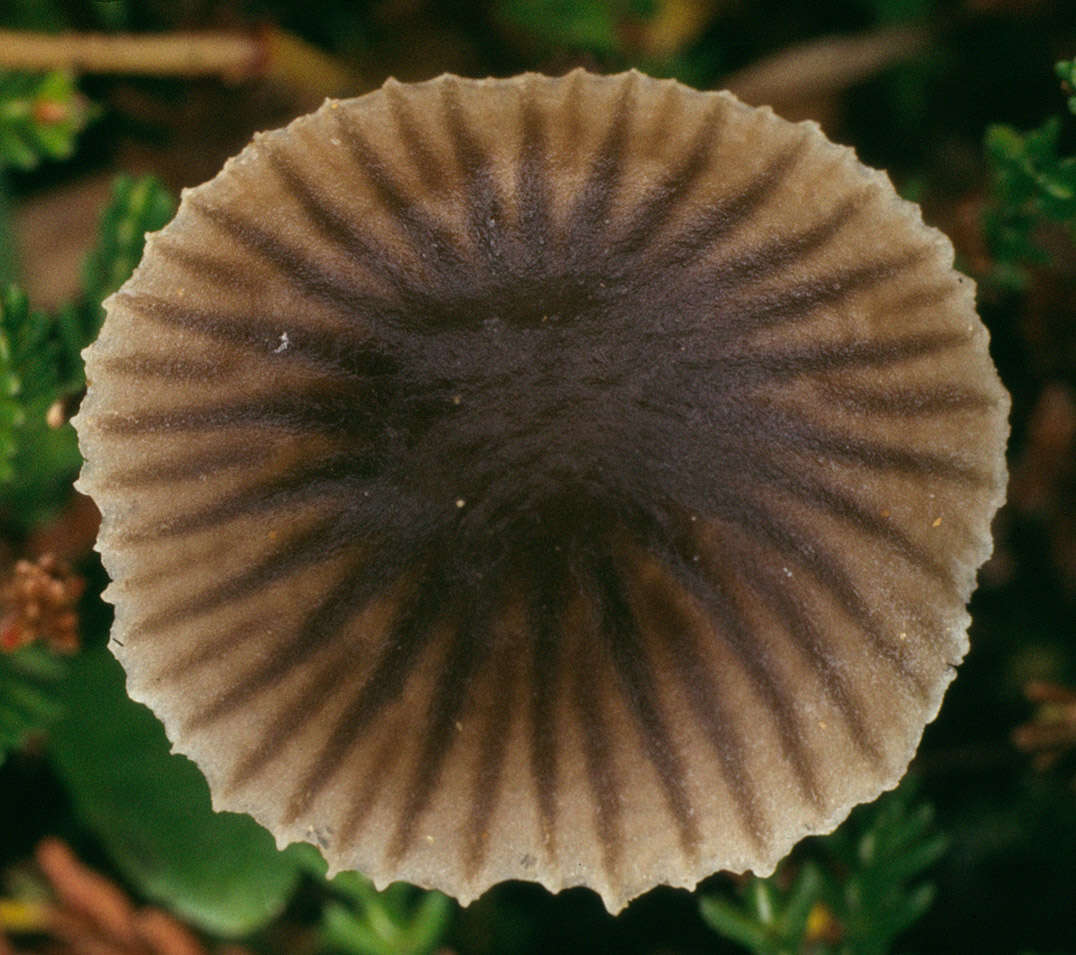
x,y
825,66
233,56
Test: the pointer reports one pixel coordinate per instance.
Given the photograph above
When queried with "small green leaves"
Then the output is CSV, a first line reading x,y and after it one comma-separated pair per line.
x,y
29,694
402,920
138,205
40,353
767,920
1032,185
882,852
853,896
39,364
13,309
40,118
29,370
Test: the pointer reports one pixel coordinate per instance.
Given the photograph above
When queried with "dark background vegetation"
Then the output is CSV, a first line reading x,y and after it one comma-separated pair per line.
x,y
998,768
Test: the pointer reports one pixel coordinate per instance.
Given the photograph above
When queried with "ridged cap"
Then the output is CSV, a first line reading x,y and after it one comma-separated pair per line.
x,y
579,480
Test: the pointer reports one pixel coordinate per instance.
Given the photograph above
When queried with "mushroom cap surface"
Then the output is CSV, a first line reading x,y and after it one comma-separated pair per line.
x,y
574,479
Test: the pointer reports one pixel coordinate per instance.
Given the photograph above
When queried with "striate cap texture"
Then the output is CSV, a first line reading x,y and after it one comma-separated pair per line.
x,y
579,480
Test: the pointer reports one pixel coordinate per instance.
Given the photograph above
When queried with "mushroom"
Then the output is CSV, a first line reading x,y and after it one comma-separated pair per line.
x,y
573,479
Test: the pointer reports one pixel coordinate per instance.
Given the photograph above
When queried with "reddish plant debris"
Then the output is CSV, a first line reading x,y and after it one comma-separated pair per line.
x,y
39,601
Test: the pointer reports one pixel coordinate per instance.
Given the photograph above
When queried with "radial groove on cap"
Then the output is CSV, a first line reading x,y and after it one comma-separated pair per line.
x,y
578,480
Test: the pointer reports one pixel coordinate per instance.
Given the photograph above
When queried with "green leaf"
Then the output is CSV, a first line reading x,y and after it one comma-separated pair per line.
x,y
37,462
40,118
860,873
806,891
726,919
906,913
342,931
137,206
593,25
151,810
401,920
27,373
29,694
41,354
1066,73
1032,185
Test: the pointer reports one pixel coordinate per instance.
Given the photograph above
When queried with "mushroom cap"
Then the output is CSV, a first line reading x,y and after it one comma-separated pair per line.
x,y
574,479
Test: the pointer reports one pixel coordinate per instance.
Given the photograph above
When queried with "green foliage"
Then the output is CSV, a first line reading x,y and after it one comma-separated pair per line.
x,y
851,892
402,920
1066,73
40,118
765,918
592,25
1033,184
8,252
151,810
14,309
138,205
29,694
44,348
40,353
31,367
855,895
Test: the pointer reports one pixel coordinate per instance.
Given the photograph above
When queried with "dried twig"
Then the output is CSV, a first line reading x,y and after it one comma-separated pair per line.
x,y
92,916
233,56
822,67
1051,733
